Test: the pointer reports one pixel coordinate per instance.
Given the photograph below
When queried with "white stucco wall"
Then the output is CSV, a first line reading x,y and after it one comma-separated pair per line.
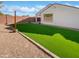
x,y
63,16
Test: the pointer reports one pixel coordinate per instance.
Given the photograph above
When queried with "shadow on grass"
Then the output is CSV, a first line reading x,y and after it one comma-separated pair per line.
x,y
49,30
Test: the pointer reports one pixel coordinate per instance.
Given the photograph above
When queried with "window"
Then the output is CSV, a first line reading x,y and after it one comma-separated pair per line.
x,y
48,17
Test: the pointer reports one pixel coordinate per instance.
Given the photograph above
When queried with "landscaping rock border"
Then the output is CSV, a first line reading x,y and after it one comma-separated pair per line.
x,y
40,46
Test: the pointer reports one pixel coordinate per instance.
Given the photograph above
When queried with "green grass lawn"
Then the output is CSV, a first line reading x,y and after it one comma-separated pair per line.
x,y
61,41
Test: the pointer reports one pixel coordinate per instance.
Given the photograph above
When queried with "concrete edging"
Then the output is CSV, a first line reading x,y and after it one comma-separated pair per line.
x,y
40,46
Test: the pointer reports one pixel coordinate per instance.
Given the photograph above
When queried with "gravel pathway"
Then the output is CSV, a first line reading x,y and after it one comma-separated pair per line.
x,y
14,45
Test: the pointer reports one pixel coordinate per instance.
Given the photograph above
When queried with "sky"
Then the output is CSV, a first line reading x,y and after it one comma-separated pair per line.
x,y
24,8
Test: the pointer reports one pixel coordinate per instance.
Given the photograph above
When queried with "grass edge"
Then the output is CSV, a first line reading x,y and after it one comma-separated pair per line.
x,y
39,46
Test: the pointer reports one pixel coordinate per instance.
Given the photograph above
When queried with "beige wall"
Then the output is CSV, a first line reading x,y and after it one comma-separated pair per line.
x,y
10,19
63,16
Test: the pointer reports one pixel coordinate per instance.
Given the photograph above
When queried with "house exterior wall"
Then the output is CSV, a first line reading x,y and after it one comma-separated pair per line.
x,y
62,16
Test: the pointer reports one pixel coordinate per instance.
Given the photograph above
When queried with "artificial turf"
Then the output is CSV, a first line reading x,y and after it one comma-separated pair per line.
x,y
61,41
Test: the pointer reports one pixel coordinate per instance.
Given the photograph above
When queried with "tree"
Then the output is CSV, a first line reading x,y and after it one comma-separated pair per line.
x,y
1,13
1,4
